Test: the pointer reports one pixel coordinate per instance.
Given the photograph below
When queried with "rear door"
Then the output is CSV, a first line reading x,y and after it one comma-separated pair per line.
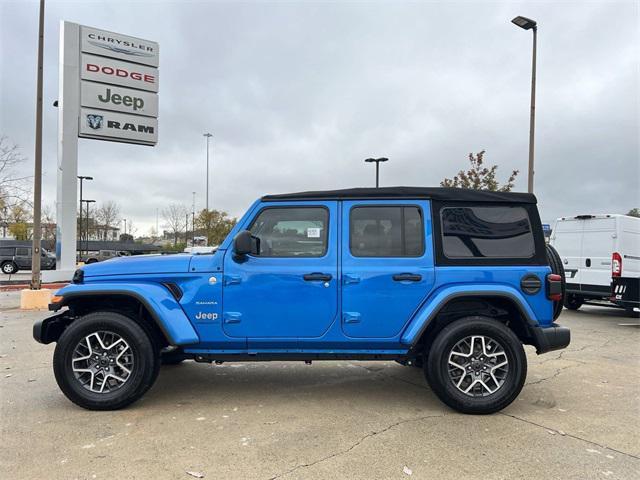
x,y
23,258
598,245
387,265
566,238
287,289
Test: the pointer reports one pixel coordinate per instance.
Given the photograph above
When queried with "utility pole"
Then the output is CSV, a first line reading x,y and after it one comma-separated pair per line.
x,y
36,281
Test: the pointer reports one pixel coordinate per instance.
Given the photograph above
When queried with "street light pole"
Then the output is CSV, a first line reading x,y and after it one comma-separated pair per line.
x,y
377,161
528,24
81,177
87,237
193,218
37,177
208,135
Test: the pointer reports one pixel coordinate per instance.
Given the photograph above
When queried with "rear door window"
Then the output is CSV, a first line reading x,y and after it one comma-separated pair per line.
x,y
486,232
393,231
22,252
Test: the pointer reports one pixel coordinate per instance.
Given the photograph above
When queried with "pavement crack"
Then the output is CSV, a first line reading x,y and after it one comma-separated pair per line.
x,y
575,437
551,377
353,445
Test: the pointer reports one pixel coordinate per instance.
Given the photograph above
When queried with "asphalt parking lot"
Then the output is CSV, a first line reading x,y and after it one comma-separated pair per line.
x,y
578,417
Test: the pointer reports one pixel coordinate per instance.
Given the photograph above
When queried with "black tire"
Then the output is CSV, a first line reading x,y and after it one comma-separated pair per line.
x,y
555,262
437,366
9,268
573,301
145,369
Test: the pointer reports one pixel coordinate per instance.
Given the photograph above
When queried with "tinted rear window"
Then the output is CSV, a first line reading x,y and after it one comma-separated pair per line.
x,y
486,232
6,252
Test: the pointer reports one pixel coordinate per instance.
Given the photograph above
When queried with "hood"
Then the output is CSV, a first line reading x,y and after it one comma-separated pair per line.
x,y
139,264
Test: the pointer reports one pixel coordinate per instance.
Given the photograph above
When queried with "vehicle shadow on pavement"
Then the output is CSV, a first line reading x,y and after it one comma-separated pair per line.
x,y
371,383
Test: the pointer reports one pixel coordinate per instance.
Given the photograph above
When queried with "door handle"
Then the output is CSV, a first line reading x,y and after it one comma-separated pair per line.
x,y
587,262
317,277
407,277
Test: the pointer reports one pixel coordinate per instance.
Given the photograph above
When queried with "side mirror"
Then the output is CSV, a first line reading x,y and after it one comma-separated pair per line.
x,y
243,243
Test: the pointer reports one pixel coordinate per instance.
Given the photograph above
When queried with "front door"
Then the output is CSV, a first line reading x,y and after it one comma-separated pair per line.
x,y
387,265
289,287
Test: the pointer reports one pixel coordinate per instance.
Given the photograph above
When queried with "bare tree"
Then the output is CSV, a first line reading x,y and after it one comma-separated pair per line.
x,y
48,223
108,216
174,216
480,177
14,185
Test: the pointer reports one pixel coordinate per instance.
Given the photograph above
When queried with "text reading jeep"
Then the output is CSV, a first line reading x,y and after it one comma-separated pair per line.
x,y
453,281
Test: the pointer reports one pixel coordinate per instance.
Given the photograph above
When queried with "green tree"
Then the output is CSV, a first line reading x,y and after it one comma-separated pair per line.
x,y
215,225
480,177
19,219
634,212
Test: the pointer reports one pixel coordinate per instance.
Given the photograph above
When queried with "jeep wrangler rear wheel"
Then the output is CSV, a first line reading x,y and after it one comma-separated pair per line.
x,y
105,361
476,365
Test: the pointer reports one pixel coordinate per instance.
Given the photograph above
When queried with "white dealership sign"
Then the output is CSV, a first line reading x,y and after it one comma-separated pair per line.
x,y
119,126
117,72
118,99
108,84
115,45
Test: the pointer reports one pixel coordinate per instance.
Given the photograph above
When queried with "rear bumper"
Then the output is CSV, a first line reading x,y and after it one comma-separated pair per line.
x,y
551,338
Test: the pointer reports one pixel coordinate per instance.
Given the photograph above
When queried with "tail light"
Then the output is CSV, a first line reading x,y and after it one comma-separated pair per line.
x,y
616,265
554,287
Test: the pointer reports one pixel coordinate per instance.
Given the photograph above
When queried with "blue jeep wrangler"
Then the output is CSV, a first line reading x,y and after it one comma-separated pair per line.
x,y
452,281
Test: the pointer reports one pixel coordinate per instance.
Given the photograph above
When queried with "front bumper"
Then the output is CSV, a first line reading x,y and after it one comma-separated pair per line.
x,y
551,338
49,329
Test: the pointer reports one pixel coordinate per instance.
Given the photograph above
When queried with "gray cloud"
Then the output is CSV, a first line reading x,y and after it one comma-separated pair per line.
x,y
298,94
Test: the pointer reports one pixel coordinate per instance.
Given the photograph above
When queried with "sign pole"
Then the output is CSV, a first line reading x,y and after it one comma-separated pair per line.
x,y
37,178
68,114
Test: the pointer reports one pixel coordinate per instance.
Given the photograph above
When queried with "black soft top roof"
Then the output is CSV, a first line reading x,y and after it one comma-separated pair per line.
x,y
434,193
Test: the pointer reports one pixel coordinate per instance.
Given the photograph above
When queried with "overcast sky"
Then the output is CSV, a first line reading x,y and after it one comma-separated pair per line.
x,y
297,94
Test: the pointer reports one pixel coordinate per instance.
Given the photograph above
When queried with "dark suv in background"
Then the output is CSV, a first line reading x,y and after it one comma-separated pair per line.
x,y
13,259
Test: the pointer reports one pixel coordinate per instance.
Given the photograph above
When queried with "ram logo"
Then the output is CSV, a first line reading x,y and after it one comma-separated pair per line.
x,y
95,121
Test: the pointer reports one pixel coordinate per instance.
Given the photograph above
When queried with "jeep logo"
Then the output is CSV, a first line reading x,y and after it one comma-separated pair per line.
x,y
206,316
128,101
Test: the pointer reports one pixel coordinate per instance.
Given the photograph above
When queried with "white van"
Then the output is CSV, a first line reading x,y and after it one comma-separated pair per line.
x,y
598,251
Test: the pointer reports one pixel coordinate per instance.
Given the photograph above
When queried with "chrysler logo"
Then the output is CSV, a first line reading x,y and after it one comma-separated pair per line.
x,y
95,121
117,49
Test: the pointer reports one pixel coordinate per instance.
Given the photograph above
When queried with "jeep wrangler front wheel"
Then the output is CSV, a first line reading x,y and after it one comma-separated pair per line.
x,y
105,361
476,365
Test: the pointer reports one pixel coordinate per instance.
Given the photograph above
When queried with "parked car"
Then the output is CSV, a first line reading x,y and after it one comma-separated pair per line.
x,y
453,281
103,255
601,257
13,259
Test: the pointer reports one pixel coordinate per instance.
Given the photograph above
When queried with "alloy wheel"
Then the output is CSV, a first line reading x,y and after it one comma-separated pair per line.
x,y
102,362
478,366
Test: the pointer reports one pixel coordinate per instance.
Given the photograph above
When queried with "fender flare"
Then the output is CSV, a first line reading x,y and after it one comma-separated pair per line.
x,y
157,299
435,303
